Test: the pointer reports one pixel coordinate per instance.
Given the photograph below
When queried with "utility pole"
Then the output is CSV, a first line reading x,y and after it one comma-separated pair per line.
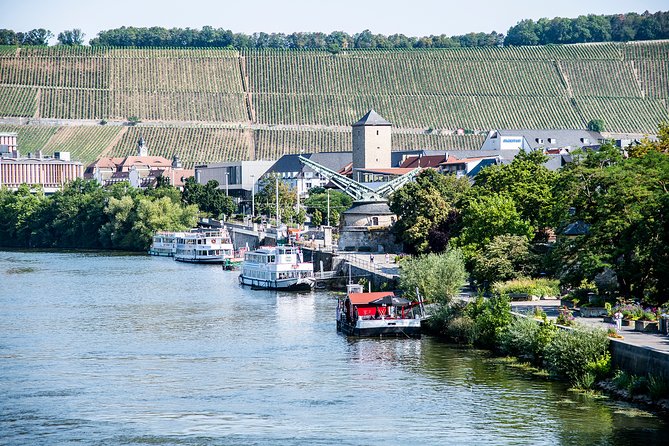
x,y
328,222
226,182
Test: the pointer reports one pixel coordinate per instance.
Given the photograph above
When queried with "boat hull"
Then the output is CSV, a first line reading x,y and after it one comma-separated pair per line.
x,y
209,260
293,284
410,328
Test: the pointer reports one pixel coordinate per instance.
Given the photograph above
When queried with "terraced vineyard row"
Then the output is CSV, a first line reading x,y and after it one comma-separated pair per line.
x,y
192,144
418,141
178,106
625,114
85,143
272,144
326,74
450,112
587,78
31,138
17,101
654,75
160,74
54,71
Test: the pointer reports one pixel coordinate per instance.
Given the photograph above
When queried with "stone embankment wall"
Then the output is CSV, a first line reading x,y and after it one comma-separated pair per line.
x,y
638,360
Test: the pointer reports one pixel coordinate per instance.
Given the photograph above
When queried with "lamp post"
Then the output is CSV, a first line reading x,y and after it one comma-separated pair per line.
x,y
253,196
328,222
226,183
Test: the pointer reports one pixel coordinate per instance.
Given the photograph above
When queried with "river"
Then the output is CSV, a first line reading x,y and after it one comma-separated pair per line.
x,y
130,349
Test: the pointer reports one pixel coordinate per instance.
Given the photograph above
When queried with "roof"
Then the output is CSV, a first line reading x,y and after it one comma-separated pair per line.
x,y
291,163
563,137
425,161
388,171
371,118
453,160
577,228
373,208
366,298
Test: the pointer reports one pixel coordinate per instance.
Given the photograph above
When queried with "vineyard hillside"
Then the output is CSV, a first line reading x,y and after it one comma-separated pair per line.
x,y
209,105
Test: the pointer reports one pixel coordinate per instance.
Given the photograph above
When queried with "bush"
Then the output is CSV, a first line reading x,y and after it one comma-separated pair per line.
x,y
531,287
518,338
461,329
571,353
527,338
438,277
491,317
658,387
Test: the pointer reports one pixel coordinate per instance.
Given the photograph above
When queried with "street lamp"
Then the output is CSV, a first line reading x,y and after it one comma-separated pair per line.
x,y
226,182
253,196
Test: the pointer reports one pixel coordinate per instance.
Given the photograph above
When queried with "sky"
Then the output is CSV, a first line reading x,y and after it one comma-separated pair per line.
x,y
409,17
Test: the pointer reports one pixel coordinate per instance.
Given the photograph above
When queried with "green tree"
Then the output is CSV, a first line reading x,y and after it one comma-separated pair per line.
x,y
624,204
318,201
596,125
208,198
487,216
72,37
266,198
426,210
506,257
17,212
528,182
438,277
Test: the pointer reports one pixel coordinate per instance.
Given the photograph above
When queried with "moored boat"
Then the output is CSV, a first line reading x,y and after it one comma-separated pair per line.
x,y
204,246
164,244
378,314
277,268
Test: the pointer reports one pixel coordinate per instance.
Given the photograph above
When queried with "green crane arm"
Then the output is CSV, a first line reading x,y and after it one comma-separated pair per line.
x,y
358,191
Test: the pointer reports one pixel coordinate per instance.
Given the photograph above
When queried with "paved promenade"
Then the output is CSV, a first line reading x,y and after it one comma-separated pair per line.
x,y
659,342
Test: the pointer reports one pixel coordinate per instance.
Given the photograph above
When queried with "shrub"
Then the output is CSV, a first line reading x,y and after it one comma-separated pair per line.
x,y
491,316
658,387
438,277
531,287
586,382
461,329
519,337
571,353
565,317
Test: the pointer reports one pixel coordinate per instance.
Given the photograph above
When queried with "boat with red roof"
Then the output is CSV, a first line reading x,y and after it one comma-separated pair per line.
x,y
378,314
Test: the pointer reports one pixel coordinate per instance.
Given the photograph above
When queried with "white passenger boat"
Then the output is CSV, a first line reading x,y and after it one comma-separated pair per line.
x,y
164,244
204,246
277,268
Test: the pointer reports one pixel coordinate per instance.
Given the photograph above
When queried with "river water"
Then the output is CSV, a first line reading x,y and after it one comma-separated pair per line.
x,y
128,349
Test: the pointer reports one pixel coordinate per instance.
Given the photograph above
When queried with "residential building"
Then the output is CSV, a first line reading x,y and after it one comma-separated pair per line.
x,y
140,171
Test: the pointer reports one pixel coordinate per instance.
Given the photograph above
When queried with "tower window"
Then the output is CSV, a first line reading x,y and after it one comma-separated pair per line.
x,y
377,133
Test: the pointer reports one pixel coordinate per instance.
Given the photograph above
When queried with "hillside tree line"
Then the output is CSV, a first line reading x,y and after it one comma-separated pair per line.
x,y
559,30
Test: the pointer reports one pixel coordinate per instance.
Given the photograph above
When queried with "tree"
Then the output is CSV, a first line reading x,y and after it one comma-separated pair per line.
x,y
71,37
37,37
208,198
425,207
646,145
527,182
596,125
624,203
506,257
318,201
266,197
438,277
486,216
